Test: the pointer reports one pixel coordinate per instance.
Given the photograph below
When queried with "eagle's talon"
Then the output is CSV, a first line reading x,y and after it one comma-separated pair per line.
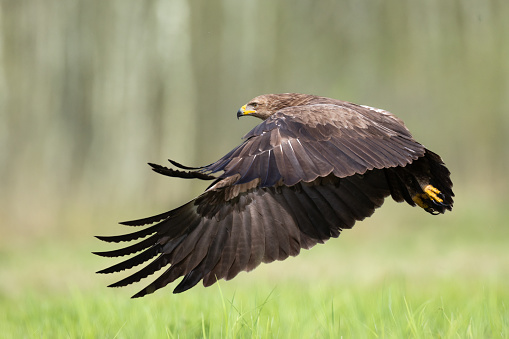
x,y
433,193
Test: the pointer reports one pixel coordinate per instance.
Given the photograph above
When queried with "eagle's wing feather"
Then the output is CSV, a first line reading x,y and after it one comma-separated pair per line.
x,y
267,224
312,141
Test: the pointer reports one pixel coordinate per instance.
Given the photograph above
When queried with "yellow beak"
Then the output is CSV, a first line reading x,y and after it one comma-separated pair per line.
x,y
242,111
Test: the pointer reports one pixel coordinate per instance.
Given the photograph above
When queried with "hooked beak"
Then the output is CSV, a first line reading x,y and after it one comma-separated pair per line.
x,y
242,111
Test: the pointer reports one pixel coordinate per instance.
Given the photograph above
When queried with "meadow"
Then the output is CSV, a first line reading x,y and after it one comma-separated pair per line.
x,y
399,274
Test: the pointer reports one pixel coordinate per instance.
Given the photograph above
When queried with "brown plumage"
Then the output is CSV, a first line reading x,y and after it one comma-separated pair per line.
x,y
312,168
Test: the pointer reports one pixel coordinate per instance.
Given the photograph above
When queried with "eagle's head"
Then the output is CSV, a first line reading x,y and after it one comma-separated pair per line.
x,y
263,106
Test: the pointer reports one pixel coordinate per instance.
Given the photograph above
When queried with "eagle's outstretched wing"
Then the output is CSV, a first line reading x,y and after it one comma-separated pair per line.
x,y
298,179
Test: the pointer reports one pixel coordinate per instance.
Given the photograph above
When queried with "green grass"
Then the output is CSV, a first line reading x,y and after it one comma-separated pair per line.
x,y
399,274
393,308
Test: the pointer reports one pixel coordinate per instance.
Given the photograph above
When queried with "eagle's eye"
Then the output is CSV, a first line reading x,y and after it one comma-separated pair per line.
x,y
253,104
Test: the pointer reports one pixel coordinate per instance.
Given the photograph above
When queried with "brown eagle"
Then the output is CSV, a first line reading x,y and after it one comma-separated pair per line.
x,y
312,168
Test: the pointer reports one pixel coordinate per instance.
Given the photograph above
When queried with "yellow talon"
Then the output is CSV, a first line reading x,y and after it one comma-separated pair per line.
x,y
433,192
430,193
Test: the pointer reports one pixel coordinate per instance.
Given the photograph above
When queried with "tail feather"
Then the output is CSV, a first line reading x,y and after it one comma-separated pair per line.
x,y
425,182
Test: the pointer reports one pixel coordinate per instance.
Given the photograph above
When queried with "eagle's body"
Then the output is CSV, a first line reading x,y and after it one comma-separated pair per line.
x,y
313,167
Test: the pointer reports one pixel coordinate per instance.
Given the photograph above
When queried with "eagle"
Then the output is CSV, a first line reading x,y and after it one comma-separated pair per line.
x,y
312,168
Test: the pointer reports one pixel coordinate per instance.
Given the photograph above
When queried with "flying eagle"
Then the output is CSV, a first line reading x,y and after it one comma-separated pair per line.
x,y
312,168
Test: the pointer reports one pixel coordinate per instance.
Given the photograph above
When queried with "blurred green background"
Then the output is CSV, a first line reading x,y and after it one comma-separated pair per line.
x,y
90,91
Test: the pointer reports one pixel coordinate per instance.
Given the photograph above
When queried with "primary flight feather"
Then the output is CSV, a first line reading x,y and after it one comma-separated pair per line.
x,y
312,168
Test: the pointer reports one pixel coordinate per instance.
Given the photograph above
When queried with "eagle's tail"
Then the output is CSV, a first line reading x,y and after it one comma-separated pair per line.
x,y
425,182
